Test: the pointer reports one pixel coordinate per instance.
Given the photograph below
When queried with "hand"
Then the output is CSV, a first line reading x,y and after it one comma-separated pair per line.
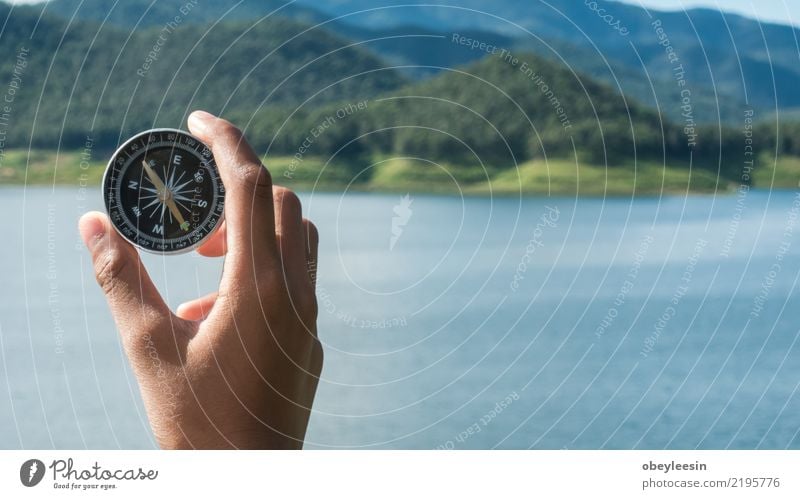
x,y
238,368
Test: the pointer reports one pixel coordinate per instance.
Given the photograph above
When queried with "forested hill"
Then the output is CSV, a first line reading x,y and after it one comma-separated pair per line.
x,y
497,110
81,78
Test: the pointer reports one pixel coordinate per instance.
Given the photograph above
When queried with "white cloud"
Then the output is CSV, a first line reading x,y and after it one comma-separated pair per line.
x,y
781,11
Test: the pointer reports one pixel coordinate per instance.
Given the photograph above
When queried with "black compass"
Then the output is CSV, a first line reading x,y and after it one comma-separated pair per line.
x,y
163,192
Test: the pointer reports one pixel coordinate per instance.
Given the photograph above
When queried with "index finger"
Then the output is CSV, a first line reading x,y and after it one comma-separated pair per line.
x,y
249,217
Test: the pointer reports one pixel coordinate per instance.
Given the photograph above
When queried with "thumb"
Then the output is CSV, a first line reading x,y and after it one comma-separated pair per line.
x,y
138,309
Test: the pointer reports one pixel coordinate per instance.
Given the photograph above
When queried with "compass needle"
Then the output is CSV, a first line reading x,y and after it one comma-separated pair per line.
x,y
166,196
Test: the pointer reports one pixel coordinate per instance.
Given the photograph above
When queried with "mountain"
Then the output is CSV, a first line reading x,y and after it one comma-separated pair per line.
x,y
83,78
420,40
725,56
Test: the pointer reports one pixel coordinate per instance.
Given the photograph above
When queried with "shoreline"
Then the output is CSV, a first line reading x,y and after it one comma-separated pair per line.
x,y
537,178
330,190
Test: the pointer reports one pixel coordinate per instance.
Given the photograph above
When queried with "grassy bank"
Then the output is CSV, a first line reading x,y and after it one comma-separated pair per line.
x,y
783,172
557,176
39,167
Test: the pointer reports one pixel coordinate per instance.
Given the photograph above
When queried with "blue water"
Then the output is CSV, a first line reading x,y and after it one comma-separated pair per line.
x,y
654,323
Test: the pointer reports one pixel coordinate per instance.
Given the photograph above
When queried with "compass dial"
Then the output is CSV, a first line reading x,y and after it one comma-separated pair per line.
x,y
163,192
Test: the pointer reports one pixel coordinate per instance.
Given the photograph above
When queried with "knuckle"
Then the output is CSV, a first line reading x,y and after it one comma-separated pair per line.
x,y
317,356
256,179
229,132
269,278
319,349
286,198
108,266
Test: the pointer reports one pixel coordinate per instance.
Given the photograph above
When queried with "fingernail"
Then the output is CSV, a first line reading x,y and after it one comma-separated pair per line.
x,y
92,229
200,119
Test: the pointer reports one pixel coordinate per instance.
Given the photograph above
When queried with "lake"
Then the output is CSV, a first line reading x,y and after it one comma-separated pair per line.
x,y
464,323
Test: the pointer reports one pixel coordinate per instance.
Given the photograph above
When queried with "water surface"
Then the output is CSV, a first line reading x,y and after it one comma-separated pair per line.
x,y
507,323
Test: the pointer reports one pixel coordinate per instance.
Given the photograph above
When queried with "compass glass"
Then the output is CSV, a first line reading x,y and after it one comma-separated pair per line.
x,y
163,192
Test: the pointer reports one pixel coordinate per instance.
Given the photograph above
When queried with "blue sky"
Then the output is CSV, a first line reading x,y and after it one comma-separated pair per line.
x,y
783,11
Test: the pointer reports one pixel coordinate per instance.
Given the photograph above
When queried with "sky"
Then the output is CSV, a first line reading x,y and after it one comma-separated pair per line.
x,y
782,11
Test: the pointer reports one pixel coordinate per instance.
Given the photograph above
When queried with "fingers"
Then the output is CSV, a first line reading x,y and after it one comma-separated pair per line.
x,y
312,249
249,218
295,235
198,309
216,244
289,231
135,303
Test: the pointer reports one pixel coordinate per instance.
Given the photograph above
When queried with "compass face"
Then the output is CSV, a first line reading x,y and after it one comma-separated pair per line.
x,y
163,192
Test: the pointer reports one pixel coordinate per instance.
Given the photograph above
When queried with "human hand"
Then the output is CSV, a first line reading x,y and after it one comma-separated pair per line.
x,y
238,368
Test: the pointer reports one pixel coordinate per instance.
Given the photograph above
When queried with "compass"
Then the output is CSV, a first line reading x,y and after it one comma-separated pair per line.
x,y
162,191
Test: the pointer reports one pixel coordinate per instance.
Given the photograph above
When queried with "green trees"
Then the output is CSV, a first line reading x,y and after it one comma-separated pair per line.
x,y
108,82
492,110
